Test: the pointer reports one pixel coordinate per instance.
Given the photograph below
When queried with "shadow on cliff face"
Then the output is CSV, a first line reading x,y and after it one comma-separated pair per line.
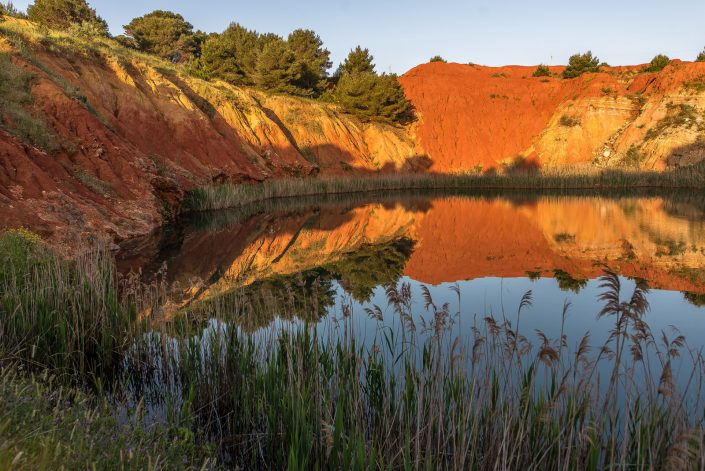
x,y
687,155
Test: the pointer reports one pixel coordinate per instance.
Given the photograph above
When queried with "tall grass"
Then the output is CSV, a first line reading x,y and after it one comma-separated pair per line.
x,y
564,178
64,315
430,390
423,397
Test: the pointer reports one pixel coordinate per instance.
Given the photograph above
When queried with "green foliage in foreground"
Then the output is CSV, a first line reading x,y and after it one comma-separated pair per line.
x,y
231,196
45,425
418,397
59,314
421,398
578,64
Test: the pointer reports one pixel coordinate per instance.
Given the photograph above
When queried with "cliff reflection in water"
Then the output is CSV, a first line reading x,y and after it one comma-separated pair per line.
x,y
302,255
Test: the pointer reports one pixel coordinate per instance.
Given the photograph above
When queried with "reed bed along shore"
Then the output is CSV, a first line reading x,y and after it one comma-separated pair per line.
x,y
563,178
416,396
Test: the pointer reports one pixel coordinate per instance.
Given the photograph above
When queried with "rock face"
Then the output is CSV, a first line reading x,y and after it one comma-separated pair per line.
x,y
474,117
132,134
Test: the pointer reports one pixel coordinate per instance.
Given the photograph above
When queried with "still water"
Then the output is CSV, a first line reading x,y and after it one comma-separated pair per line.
x,y
320,261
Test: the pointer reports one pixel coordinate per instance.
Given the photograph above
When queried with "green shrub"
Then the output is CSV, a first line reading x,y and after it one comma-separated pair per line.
x,y
658,63
61,14
165,34
437,59
541,71
569,121
633,158
578,64
87,29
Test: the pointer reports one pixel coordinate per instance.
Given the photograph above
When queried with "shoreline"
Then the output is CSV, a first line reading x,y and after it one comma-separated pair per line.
x,y
230,196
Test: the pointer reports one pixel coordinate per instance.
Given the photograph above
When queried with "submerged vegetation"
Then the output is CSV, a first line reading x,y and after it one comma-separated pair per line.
x,y
230,196
416,395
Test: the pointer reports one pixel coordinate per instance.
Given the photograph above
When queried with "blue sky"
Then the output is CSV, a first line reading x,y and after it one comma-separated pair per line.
x,y
402,34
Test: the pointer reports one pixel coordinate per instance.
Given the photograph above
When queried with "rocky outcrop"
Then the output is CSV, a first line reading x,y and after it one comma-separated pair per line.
x,y
477,118
131,134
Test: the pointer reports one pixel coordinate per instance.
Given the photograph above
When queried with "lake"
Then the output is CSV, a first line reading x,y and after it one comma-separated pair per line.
x,y
492,248
575,316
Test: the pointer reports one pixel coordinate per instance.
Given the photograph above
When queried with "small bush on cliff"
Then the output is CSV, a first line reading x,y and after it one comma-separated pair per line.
x,y
701,57
541,71
578,64
165,34
437,59
569,121
633,158
658,63
61,14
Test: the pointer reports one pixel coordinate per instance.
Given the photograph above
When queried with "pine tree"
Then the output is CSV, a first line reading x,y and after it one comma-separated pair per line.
x,y
359,61
578,64
278,68
392,103
62,14
701,57
231,55
165,34
373,97
313,58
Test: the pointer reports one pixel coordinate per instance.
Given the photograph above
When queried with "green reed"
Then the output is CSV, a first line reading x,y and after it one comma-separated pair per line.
x,y
424,394
65,315
560,178
420,397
